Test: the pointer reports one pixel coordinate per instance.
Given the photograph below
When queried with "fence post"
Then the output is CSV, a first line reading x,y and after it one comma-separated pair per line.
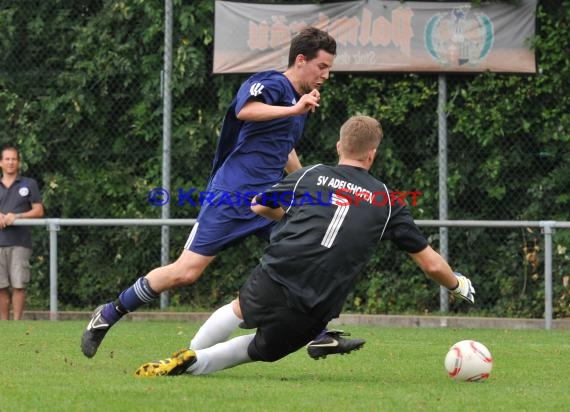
x,y
53,227
166,137
548,230
442,185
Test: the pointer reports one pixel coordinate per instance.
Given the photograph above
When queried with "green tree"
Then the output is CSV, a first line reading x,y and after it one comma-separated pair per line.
x,y
80,94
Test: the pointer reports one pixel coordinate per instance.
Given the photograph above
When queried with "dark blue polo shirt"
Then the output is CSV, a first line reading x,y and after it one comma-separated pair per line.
x,y
18,198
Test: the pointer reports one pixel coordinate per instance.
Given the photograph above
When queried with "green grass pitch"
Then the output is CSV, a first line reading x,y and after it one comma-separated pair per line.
x,y
398,369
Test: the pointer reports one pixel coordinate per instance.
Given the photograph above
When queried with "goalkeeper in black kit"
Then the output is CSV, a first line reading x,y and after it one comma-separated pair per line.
x,y
323,238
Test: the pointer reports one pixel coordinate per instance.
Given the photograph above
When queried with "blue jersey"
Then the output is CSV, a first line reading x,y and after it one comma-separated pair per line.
x,y
251,156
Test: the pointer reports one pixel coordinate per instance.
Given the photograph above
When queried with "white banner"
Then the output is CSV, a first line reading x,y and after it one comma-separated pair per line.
x,y
385,36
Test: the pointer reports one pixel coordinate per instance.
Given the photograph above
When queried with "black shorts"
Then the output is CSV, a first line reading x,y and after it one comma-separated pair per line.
x,y
280,329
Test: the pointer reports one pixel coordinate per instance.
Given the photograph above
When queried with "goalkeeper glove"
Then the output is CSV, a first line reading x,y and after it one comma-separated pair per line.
x,y
464,289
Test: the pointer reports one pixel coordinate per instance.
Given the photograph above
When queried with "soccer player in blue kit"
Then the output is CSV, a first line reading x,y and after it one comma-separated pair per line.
x,y
332,233
256,145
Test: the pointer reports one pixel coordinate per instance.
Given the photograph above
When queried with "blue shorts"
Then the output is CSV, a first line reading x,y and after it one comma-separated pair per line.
x,y
223,223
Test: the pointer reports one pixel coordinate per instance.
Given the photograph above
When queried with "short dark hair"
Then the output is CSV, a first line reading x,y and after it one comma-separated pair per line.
x,y
308,43
12,148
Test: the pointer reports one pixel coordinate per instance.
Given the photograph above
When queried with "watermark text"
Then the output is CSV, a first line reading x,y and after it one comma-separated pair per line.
x,y
340,197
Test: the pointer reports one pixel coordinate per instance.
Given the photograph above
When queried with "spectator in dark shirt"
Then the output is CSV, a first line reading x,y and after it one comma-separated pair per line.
x,y
19,198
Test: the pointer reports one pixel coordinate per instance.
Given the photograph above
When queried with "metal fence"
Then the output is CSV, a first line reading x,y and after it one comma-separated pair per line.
x,y
547,228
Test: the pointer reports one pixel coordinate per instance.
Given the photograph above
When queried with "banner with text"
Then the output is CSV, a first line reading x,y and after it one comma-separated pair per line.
x,y
380,36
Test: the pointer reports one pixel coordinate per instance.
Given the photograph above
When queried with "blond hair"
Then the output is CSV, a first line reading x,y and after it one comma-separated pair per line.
x,y
358,135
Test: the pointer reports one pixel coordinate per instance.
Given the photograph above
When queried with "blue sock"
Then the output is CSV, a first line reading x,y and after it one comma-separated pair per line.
x,y
112,313
137,295
129,300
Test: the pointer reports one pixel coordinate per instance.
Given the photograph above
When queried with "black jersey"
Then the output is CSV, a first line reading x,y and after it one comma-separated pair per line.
x,y
334,218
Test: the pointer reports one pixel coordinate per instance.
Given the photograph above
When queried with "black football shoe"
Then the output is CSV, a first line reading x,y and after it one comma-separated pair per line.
x,y
94,333
333,342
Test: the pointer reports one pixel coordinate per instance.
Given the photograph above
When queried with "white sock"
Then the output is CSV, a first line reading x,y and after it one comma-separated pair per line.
x,y
222,356
217,328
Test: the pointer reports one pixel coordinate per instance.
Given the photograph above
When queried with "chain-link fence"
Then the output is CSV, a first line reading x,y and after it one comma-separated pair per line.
x,y
80,95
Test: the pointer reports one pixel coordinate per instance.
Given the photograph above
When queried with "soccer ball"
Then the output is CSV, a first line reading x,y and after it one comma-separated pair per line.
x,y
468,360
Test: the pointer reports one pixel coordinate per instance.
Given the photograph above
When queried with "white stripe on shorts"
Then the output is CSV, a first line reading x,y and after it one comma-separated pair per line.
x,y
191,236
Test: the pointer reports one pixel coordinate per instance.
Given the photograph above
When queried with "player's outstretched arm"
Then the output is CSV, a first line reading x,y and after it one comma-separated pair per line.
x,y
439,270
256,111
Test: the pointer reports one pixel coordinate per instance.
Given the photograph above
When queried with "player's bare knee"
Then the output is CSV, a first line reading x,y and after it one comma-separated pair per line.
x,y
236,308
188,277
190,266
